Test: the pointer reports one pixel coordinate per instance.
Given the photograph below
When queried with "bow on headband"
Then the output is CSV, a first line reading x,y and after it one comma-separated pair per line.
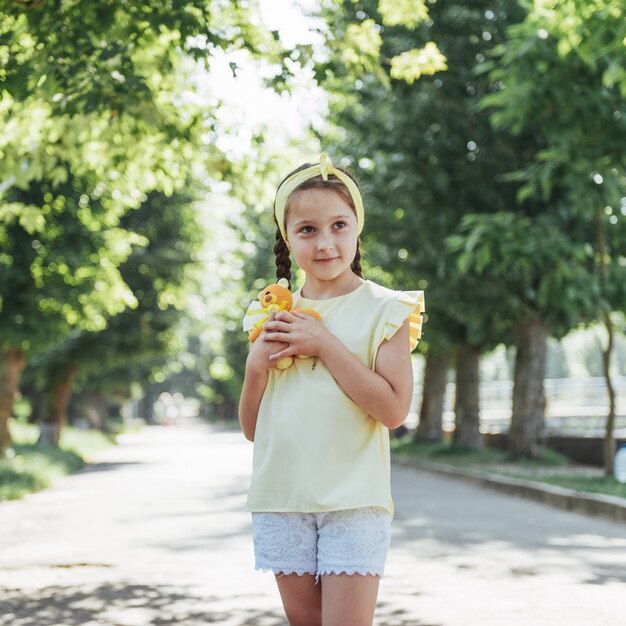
x,y
324,169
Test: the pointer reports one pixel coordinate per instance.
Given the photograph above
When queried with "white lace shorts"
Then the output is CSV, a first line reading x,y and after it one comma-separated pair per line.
x,y
351,541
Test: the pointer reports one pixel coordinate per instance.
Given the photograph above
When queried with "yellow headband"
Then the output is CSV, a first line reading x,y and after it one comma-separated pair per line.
x,y
323,168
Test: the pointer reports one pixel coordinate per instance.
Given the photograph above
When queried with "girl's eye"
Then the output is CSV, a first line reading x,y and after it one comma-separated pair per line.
x,y
340,225
306,229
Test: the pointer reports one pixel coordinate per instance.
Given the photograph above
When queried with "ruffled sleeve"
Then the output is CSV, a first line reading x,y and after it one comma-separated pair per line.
x,y
406,304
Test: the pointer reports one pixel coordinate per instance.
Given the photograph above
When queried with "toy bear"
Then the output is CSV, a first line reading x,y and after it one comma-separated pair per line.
x,y
276,297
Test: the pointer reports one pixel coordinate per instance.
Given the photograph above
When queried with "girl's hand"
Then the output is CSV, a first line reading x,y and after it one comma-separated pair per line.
x,y
303,334
261,351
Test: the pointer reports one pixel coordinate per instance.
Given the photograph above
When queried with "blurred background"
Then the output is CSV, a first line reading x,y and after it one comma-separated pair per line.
x,y
140,148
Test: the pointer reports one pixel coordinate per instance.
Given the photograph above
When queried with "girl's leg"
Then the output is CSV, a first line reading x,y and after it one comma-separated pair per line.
x,y
287,542
349,600
302,599
352,549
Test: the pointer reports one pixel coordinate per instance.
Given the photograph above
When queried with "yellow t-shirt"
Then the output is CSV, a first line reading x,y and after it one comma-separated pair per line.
x,y
314,448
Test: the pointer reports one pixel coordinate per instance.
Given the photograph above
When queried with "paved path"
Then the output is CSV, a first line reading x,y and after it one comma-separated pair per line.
x,y
156,535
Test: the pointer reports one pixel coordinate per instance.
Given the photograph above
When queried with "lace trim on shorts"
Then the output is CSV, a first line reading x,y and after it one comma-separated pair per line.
x,y
349,570
284,571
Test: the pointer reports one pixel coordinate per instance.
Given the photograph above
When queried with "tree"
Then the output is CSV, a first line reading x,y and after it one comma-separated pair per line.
x,y
62,277
158,274
562,78
98,96
514,249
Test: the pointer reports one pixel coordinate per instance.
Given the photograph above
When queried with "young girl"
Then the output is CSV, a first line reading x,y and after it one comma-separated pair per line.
x,y
320,494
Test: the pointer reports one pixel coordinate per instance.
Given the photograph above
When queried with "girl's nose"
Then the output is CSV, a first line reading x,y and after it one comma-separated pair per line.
x,y
325,241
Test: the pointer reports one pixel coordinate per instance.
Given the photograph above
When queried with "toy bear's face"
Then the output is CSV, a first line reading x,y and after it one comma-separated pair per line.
x,y
275,294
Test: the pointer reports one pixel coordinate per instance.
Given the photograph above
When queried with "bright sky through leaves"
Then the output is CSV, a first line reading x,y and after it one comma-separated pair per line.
x,y
249,104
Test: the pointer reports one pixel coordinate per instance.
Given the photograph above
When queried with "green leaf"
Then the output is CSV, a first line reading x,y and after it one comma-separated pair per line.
x,y
410,65
409,13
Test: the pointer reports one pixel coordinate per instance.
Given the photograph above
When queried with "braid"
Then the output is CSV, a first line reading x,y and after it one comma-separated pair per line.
x,y
283,262
356,263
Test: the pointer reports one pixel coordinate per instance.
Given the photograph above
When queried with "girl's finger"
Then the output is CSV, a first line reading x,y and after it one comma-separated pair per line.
x,y
275,337
281,340
281,326
303,316
284,316
282,353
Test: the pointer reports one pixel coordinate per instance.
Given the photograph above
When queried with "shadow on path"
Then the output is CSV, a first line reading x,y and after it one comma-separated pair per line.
x,y
130,604
150,605
105,466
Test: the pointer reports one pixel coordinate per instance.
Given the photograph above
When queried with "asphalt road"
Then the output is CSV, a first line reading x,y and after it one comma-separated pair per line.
x,y
155,534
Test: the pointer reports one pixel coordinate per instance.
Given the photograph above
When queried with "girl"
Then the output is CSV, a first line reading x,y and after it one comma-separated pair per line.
x,y
320,493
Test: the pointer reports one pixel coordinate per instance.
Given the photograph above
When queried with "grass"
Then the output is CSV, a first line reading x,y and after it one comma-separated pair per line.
x,y
607,485
30,467
446,452
551,467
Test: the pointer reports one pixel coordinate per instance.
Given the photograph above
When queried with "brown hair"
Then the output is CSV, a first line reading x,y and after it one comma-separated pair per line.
x,y
281,251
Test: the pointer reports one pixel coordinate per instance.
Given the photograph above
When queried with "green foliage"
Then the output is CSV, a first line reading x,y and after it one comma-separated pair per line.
x,y
551,467
593,30
111,55
412,64
426,156
409,13
558,78
607,485
353,48
67,274
515,250
449,453
86,443
97,110
443,451
159,273
101,121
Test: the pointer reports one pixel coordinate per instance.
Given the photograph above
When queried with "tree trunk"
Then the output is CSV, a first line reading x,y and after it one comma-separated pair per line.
x,y
609,437
433,395
91,409
55,408
466,405
146,405
36,399
12,362
527,432
226,410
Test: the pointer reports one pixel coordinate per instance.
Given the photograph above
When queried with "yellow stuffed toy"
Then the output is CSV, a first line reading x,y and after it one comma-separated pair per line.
x,y
275,297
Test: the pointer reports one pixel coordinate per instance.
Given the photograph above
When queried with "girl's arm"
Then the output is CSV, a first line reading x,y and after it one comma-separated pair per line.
x,y
255,381
254,385
384,393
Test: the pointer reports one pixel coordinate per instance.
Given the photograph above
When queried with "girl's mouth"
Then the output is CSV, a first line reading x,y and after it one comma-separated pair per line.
x,y
325,260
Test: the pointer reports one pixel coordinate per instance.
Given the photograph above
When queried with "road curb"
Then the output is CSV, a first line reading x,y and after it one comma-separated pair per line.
x,y
597,505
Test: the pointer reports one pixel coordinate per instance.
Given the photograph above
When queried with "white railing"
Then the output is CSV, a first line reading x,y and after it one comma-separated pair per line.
x,y
573,405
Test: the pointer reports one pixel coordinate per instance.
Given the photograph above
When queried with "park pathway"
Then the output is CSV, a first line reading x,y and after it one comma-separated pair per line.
x,y
155,534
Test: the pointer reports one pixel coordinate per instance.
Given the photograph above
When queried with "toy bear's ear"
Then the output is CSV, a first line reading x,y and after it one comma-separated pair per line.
x,y
283,282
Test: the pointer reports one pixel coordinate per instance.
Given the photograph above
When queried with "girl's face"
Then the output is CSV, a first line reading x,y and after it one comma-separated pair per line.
x,y
322,233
